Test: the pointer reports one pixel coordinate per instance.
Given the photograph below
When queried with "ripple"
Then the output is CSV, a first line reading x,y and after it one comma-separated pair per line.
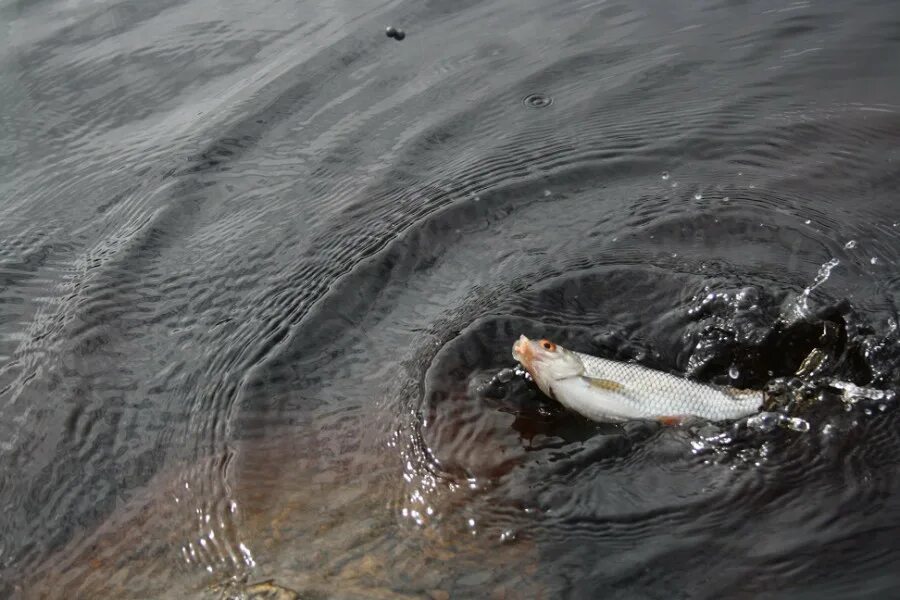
x,y
537,101
260,270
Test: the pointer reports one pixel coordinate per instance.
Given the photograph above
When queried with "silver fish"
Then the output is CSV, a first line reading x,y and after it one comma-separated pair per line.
x,y
607,390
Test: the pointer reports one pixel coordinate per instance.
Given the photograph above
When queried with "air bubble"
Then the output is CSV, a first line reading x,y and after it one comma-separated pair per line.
x,y
665,175
850,245
764,421
734,372
797,424
698,196
873,260
505,375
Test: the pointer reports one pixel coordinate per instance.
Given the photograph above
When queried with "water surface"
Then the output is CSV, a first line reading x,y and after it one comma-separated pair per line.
x,y
260,266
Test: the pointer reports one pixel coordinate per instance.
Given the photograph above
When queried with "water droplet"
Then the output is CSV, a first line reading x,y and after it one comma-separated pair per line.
x,y
797,424
873,260
734,372
698,196
850,245
665,175
764,421
537,101
393,32
747,297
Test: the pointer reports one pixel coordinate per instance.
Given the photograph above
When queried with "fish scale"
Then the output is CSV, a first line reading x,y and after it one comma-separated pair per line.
x,y
617,390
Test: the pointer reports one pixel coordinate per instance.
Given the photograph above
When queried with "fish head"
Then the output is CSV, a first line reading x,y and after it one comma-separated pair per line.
x,y
547,362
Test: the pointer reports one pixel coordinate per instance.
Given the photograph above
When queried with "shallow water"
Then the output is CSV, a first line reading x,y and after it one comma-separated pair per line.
x,y
260,267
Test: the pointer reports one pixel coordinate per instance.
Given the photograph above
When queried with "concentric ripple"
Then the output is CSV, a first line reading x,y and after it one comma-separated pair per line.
x,y
261,269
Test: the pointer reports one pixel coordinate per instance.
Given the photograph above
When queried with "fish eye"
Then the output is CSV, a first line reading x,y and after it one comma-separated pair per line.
x,y
548,345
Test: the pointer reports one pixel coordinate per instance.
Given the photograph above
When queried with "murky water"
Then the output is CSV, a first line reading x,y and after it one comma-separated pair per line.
x,y
261,267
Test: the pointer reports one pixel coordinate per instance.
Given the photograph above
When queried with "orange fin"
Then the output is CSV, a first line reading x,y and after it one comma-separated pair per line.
x,y
606,384
670,421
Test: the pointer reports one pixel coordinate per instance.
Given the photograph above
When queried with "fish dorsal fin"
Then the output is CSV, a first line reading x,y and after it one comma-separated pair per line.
x,y
605,384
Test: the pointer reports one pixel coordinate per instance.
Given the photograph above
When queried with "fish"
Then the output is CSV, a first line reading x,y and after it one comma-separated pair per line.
x,y
612,391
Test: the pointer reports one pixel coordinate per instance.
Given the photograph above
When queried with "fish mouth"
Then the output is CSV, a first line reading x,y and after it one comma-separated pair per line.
x,y
523,352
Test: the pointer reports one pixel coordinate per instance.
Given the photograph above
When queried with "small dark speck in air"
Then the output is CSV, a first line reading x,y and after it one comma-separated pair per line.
x,y
393,32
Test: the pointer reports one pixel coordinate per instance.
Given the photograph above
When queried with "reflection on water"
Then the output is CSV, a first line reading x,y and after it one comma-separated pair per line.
x,y
292,514
261,268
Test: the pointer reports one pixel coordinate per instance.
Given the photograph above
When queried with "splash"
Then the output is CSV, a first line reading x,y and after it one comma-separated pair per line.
x,y
799,308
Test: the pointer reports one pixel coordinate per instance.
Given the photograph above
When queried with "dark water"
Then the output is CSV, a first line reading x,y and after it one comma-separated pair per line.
x,y
259,265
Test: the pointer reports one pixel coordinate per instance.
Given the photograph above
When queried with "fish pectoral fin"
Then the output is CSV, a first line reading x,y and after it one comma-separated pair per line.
x,y
605,384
